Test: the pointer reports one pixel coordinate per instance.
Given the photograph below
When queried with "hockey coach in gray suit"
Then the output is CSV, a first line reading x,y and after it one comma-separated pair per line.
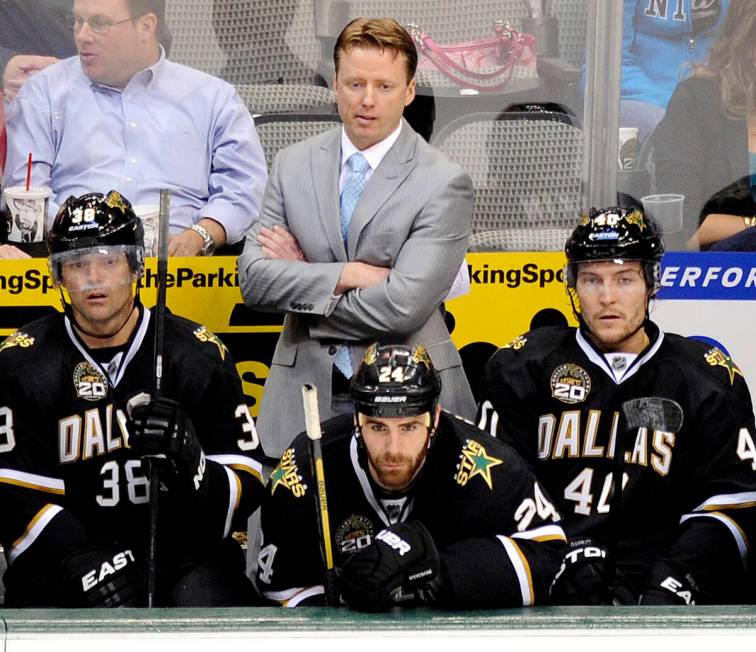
x,y
361,234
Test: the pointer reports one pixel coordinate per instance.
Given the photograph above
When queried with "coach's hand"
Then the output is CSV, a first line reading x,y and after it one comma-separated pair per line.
x,y
101,577
668,585
401,565
161,428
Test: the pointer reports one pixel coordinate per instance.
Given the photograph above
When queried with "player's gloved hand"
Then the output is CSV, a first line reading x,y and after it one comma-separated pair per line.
x,y
401,565
102,577
580,579
161,428
667,585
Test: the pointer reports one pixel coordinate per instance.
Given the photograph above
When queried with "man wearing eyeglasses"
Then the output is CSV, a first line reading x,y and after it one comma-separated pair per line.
x,y
120,115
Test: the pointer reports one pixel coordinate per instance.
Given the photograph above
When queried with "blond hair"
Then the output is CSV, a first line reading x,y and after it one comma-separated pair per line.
x,y
380,33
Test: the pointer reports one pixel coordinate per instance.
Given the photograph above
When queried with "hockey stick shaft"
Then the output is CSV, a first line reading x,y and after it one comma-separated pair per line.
x,y
154,463
162,275
314,434
154,473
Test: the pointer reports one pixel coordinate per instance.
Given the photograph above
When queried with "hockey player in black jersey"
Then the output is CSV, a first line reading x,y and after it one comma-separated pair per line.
x,y
424,508
73,488
682,523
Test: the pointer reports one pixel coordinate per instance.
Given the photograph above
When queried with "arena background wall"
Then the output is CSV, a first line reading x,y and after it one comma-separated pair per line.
x,y
707,295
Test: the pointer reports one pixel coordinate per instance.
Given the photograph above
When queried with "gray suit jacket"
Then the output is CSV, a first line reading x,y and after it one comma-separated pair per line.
x,y
414,217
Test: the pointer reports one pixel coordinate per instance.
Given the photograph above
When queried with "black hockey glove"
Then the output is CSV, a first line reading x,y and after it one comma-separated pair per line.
x,y
102,577
161,428
402,565
666,585
580,579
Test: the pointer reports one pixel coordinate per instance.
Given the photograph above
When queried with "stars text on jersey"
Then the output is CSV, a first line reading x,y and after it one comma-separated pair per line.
x,y
17,339
204,335
286,475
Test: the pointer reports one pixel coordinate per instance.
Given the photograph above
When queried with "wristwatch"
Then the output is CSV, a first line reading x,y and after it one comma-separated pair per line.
x,y
208,244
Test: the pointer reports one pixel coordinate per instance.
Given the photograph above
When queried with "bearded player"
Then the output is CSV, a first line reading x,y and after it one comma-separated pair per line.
x,y
424,508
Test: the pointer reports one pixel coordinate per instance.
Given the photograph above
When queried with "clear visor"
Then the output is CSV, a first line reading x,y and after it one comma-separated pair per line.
x,y
622,276
83,270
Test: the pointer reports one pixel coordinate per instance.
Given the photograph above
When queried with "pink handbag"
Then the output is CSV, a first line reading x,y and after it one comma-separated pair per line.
x,y
485,65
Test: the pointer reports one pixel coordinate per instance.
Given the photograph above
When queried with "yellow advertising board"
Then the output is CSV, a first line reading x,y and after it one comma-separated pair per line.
x,y
509,292
514,286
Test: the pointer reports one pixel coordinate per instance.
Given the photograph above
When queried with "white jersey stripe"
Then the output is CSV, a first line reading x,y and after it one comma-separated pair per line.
x,y
489,418
732,526
233,499
601,362
723,501
33,481
521,569
365,483
33,530
292,597
240,462
136,343
545,532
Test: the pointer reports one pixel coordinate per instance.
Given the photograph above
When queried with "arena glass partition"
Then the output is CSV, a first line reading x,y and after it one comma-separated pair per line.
x,y
539,131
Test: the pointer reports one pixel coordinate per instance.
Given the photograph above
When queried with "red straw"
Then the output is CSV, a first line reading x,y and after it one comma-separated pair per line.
x,y
28,172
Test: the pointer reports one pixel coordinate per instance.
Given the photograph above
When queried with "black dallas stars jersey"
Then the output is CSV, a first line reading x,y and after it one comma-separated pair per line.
x,y
688,497
495,528
67,477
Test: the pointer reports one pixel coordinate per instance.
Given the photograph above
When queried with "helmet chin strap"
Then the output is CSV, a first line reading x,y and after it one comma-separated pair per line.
x,y
431,422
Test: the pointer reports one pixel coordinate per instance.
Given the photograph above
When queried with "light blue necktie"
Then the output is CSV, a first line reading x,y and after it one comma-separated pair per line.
x,y
350,196
352,190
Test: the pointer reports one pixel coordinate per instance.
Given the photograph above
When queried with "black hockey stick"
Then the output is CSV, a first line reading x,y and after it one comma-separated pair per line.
x,y
162,274
312,426
153,463
653,413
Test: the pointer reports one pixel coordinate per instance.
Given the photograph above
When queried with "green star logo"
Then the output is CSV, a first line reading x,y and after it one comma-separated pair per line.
x,y
473,461
286,475
276,478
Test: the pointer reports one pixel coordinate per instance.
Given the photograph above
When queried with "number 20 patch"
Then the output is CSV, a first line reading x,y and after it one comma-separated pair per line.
x,y
570,383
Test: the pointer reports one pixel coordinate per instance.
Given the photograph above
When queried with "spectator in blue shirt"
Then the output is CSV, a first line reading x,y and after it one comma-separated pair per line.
x,y
120,115
660,38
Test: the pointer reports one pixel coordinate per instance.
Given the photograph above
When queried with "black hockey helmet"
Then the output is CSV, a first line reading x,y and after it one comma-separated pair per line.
x,y
92,222
395,380
616,234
